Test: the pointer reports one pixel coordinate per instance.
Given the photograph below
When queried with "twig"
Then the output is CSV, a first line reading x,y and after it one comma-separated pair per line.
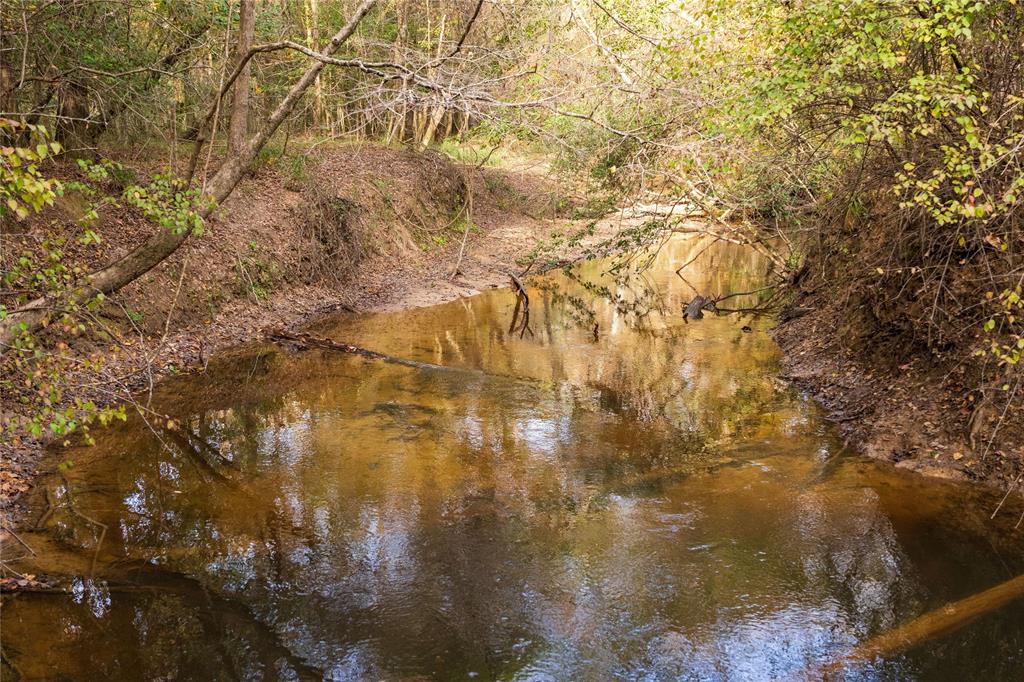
x,y
6,567
462,39
174,303
488,156
24,51
626,27
745,293
16,537
1001,417
216,111
698,254
1009,490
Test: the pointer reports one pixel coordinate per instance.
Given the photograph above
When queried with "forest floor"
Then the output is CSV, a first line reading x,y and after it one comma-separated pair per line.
x,y
359,228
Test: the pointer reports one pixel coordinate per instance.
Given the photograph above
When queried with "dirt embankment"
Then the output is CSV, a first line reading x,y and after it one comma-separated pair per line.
x,y
904,408
355,227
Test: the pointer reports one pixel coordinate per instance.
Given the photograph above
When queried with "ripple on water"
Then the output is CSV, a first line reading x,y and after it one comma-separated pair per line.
x,y
651,505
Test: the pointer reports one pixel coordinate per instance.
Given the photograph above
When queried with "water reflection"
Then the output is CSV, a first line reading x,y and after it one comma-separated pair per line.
x,y
643,501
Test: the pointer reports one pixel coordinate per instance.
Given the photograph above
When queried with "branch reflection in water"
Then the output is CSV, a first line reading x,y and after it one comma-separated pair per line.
x,y
643,501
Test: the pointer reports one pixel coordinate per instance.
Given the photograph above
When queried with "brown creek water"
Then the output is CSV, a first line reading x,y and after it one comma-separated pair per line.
x,y
612,494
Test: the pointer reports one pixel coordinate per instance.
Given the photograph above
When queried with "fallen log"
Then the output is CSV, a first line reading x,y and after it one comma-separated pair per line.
x,y
305,341
941,621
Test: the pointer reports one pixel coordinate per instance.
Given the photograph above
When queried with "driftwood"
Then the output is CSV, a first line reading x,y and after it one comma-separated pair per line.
x,y
522,302
933,624
694,310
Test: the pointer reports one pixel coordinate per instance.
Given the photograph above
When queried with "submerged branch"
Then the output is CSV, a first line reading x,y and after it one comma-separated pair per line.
x,y
933,624
304,341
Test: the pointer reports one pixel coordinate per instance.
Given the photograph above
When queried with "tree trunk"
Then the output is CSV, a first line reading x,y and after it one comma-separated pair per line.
x,y
151,253
312,8
169,60
397,133
239,129
432,121
449,122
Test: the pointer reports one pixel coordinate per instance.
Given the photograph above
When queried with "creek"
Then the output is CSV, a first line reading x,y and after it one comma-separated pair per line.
x,y
611,493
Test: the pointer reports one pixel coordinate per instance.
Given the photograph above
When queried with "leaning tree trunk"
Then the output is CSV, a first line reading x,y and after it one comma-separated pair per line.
x,y
151,253
239,128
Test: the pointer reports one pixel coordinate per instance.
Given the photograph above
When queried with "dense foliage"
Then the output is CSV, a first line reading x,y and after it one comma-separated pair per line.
x,y
898,125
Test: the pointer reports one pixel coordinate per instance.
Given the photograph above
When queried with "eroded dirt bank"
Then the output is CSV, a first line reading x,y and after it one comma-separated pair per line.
x,y
360,228
912,412
366,228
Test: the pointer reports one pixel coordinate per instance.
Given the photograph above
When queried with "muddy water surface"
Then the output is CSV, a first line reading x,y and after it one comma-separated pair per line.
x,y
608,494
